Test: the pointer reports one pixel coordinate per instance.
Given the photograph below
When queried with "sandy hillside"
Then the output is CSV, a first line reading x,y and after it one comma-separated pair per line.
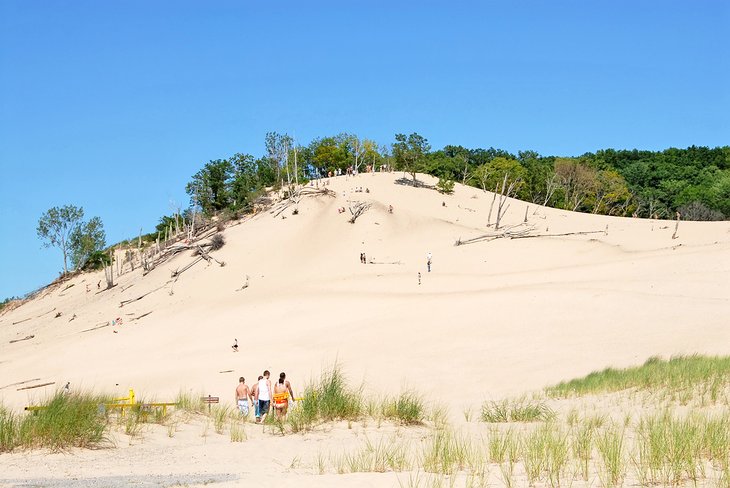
x,y
492,319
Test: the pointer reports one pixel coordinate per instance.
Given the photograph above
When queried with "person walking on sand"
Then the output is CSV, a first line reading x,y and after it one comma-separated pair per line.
x,y
255,397
242,396
264,395
283,394
235,345
428,261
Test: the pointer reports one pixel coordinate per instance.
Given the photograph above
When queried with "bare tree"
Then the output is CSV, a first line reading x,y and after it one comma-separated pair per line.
x,y
506,192
109,271
357,209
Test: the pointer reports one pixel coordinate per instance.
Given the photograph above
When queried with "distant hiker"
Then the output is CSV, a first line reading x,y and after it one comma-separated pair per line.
x,y
67,388
264,394
283,394
419,277
428,261
390,208
364,259
242,396
235,345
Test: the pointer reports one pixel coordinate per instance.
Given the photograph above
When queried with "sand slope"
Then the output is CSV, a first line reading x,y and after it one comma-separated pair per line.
x,y
492,318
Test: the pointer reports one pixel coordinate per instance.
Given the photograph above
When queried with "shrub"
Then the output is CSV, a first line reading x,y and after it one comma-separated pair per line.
x,y
97,260
217,242
445,185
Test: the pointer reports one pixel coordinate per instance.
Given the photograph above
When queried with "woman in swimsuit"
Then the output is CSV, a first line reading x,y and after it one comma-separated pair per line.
x,y
282,394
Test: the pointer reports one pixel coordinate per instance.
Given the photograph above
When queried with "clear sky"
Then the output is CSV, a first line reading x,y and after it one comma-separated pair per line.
x,y
114,105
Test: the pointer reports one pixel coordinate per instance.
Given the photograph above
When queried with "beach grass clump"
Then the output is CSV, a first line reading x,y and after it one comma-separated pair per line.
x,y
447,452
407,408
709,374
238,431
328,399
62,422
189,402
610,444
221,414
516,410
9,428
389,454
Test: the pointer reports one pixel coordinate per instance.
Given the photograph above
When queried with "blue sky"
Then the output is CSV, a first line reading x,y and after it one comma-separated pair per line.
x,y
114,105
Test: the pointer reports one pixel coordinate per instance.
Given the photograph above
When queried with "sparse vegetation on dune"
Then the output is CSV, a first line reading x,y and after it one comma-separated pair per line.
x,y
694,374
516,410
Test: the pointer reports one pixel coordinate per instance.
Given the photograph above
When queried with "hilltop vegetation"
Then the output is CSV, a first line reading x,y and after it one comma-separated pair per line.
x,y
693,181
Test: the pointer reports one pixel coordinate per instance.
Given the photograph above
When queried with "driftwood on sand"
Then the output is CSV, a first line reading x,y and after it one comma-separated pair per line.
x,y
26,338
357,209
36,386
104,324
124,302
515,232
141,316
20,383
296,195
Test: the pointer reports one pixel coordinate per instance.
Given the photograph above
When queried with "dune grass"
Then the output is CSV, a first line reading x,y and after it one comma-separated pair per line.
x,y
680,373
516,410
66,421
328,399
407,408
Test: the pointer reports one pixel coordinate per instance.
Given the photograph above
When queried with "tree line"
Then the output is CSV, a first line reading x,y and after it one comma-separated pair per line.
x,y
694,181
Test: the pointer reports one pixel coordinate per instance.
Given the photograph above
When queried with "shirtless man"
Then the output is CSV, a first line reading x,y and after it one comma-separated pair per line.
x,y
282,395
242,396
264,395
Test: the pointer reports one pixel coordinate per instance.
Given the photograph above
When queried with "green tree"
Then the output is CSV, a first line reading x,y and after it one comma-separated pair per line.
x,y
410,153
86,238
56,226
210,187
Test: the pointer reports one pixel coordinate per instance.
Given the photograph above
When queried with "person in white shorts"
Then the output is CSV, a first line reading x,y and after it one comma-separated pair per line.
x,y
242,396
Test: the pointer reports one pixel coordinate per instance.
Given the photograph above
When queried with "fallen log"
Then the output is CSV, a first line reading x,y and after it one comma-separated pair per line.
x,y
21,321
124,302
36,386
94,328
143,315
19,383
26,338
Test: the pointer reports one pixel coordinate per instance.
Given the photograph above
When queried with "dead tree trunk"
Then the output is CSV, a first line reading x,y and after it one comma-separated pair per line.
x,y
357,209
676,226
109,271
504,195
491,207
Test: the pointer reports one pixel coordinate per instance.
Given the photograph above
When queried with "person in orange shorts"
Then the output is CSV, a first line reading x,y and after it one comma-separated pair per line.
x,y
282,394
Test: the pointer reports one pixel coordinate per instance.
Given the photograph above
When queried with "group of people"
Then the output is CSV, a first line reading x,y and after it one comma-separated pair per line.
x,y
264,396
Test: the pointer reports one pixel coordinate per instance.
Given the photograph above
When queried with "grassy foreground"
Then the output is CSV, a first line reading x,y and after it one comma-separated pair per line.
x,y
66,421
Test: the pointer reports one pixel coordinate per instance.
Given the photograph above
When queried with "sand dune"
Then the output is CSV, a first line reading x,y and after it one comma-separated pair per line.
x,y
492,318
